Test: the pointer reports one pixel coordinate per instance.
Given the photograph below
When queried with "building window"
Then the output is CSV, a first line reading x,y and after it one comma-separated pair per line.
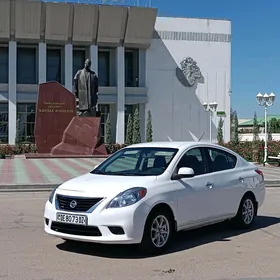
x,y
131,68
26,118
104,111
104,68
26,66
54,65
4,65
4,123
79,57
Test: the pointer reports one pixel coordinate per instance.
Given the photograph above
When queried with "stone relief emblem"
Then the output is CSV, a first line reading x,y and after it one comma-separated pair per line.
x,y
190,70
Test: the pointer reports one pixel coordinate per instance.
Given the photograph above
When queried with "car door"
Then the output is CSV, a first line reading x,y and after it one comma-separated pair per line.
x,y
193,193
229,185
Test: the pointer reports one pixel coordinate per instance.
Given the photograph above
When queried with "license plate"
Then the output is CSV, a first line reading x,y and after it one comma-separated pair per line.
x,y
71,219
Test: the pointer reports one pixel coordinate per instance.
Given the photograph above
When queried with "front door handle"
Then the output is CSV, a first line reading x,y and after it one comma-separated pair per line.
x,y
209,185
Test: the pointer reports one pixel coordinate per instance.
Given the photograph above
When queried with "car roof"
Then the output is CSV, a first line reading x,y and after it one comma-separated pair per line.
x,y
173,144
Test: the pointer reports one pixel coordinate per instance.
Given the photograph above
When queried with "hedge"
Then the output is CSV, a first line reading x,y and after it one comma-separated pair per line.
x,y
250,151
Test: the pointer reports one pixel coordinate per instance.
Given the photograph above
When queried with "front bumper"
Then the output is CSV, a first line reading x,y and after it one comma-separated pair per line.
x,y
130,219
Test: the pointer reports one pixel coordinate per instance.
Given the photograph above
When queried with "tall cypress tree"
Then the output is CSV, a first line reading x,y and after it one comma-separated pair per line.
x,y
220,135
235,139
149,128
108,134
255,128
136,128
129,131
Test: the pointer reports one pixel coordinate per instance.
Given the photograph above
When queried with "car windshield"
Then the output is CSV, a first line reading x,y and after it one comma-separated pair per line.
x,y
137,162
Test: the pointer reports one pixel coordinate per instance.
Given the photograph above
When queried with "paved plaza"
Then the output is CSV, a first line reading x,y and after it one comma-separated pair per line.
x,y
49,172
217,252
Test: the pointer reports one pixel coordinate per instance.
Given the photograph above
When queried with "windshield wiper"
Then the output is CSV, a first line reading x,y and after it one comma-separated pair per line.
x,y
98,172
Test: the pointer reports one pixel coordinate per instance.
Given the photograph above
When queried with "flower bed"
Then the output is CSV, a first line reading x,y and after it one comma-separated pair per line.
x,y
250,151
19,149
246,149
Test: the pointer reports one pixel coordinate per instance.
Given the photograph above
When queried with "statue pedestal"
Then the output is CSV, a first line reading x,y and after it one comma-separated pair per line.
x,y
81,137
55,109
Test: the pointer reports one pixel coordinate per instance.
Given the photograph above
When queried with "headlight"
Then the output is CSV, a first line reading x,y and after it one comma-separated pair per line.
x,y
128,197
52,195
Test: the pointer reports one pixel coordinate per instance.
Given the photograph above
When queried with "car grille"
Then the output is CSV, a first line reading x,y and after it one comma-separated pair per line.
x,y
79,204
75,229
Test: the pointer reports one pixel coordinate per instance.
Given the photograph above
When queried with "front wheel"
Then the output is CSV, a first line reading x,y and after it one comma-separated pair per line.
x,y
158,231
246,213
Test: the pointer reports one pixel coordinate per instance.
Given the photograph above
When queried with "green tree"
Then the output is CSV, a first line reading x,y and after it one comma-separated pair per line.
x,y
136,128
17,140
129,131
256,128
149,128
108,133
269,131
274,125
220,135
235,139
232,114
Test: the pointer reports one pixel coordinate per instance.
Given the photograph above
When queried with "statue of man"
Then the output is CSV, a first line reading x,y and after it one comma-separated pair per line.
x,y
86,91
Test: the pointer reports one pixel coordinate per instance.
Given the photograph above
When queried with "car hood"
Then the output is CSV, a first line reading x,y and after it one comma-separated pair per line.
x,y
104,185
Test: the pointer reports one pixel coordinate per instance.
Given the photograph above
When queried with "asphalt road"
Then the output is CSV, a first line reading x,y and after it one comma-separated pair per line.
x,y
217,252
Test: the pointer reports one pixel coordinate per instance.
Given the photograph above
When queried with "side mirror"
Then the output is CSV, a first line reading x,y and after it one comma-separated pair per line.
x,y
184,172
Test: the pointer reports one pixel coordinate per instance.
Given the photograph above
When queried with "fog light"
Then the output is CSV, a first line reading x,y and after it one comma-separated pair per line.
x,y
47,221
116,230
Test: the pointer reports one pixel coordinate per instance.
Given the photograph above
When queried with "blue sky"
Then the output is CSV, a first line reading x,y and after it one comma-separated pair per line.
x,y
255,45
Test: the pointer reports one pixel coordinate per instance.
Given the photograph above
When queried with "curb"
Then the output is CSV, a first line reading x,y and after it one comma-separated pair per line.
x,y
28,188
49,187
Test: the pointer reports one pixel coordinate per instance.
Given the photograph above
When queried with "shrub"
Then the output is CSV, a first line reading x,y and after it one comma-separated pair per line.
x,y
112,148
245,149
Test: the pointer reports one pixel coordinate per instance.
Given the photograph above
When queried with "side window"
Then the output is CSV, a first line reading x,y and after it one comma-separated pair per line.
x,y
193,159
221,160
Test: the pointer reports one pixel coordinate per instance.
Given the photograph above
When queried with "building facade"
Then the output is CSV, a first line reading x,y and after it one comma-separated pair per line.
x,y
137,62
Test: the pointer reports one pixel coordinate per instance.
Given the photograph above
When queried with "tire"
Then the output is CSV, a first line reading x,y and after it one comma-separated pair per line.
x,y
149,243
247,212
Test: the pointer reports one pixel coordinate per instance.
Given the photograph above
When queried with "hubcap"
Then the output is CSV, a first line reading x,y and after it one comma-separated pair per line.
x,y
248,211
160,231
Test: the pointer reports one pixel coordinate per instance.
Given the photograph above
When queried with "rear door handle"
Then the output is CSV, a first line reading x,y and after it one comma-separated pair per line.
x,y
241,179
209,185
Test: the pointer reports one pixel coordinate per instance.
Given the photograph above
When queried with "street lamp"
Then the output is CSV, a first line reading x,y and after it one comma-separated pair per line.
x,y
266,101
211,107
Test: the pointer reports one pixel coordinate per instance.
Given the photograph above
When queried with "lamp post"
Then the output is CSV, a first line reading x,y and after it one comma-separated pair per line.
x,y
211,108
266,101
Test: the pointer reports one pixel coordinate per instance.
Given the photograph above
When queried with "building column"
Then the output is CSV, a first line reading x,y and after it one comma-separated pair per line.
x,y
12,92
68,62
93,56
42,63
120,127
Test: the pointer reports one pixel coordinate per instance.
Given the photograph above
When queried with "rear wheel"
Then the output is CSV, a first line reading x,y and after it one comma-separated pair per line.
x,y
158,232
246,213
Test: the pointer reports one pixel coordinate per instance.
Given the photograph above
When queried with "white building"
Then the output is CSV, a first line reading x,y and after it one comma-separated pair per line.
x,y
136,55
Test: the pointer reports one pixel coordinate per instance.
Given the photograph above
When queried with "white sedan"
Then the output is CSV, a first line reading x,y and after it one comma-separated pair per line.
x,y
145,193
